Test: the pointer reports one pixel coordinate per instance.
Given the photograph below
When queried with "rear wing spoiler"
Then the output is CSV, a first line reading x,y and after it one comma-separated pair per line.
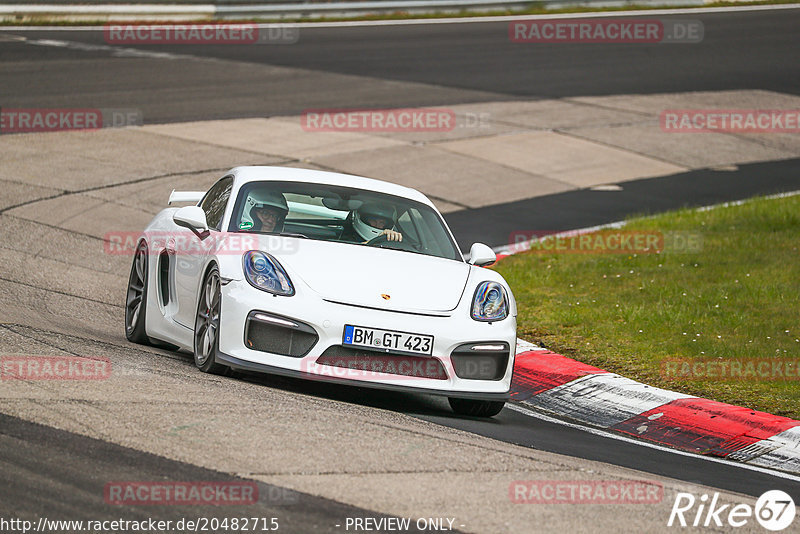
x,y
186,196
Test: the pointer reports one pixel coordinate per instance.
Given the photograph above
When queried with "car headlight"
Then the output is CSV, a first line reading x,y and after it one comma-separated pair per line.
x,y
265,273
490,302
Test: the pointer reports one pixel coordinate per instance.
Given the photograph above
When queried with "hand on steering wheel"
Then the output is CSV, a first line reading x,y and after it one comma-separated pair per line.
x,y
393,235
386,235
393,239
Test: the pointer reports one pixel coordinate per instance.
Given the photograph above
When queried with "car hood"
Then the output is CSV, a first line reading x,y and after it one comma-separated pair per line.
x,y
366,276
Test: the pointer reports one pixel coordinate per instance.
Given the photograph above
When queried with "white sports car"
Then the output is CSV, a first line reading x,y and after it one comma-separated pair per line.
x,y
327,276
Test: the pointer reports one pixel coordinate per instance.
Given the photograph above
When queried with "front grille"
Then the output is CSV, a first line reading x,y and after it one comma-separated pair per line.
x,y
472,364
381,362
295,341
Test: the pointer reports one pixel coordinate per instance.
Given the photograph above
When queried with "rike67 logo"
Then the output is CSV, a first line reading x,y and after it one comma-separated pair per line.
x,y
774,510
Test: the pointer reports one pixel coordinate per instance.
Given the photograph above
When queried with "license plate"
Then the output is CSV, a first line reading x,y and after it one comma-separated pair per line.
x,y
388,340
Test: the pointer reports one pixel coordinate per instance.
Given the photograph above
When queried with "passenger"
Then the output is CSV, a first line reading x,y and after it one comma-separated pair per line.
x,y
268,210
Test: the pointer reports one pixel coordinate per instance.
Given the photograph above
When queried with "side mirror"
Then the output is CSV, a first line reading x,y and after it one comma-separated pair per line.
x,y
192,217
481,255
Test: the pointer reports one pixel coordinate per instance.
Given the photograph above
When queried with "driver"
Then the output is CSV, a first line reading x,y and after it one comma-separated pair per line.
x,y
268,210
373,219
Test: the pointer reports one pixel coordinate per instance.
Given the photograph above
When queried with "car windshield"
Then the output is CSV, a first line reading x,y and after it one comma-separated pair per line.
x,y
342,214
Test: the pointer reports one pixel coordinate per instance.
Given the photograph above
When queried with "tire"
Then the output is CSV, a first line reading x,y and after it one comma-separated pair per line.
x,y
136,298
476,408
206,325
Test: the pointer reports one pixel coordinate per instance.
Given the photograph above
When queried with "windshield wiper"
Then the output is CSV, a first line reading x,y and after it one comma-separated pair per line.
x,y
289,234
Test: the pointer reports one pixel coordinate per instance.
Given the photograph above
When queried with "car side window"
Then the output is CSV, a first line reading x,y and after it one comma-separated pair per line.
x,y
215,201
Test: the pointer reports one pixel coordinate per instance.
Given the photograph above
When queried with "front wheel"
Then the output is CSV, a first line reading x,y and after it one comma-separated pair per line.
x,y
206,325
136,298
476,408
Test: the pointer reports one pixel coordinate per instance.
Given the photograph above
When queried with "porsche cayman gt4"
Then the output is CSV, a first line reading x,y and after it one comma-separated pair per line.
x,y
324,276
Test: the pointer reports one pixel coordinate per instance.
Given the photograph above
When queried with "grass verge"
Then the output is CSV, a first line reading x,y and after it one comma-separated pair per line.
x,y
535,8
737,299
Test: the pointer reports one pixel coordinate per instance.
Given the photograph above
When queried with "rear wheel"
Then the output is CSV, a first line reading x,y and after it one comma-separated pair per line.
x,y
136,299
206,325
476,408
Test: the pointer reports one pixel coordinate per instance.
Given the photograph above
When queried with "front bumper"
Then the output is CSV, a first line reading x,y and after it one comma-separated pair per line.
x,y
328,319
245,365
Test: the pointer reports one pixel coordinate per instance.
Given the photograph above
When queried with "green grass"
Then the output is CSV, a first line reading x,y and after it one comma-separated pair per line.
x,y
535,8
736,299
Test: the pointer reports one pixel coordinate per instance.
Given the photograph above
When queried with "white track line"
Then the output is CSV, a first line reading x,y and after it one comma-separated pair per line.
x,y
466,20
618,437
523,246
115,51
746,200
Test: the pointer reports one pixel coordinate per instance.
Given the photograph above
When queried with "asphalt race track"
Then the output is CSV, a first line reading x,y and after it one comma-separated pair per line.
x,y
587,208
328,452
448,63
78,468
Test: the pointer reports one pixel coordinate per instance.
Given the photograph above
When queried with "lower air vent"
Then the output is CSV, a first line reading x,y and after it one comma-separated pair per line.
x,y
480,361
279,335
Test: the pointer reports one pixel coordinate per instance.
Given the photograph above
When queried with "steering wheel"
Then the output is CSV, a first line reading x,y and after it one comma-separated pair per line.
x,y
383,242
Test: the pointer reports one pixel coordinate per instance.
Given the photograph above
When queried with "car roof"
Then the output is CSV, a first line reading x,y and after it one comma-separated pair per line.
x,y
248,174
